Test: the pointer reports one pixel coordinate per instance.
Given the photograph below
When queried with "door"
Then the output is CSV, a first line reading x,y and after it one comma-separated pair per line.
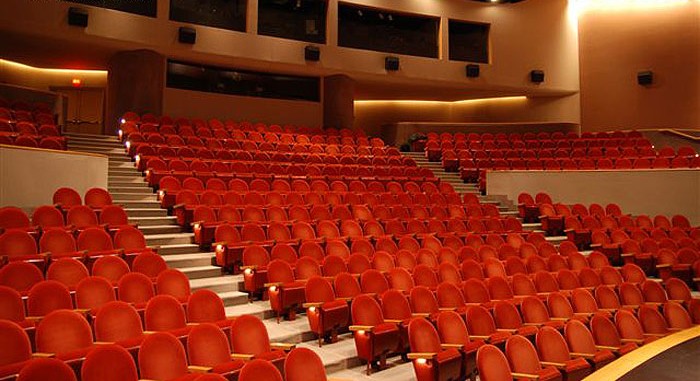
x,y
85,109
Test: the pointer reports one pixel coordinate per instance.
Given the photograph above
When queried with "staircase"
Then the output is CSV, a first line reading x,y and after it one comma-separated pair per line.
x,y
130,190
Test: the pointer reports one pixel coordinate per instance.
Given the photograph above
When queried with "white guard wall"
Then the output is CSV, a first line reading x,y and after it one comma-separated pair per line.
x,y
29,176
651,192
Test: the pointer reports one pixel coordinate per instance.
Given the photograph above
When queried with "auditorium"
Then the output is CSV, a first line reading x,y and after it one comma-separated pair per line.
x,y
372,190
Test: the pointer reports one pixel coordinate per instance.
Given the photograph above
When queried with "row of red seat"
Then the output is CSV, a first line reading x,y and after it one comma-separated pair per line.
x,y
612,152
515,136
235,125
68,338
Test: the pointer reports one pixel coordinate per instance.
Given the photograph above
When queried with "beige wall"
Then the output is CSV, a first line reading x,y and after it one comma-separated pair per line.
x,y
535,34
207,105
38,78
30,176
372,115
649,192
616,43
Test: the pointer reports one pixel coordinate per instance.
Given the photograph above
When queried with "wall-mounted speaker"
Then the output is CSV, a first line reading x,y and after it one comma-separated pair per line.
x,y
312,53
186,35
472,70
77,17
391,63
537,76
645,78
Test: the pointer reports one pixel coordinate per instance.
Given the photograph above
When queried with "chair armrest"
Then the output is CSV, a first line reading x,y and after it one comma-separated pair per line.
x,y
422,355
420,314
283,346
447,308
312,304
559,365
40,355
478,337
449,346
607,347
584,355
525,375
558,319
663,266
346,299
149,332
273,284
654,334
532,324
636,341
103,342
507,330
241,356
199,369
357,328
395,321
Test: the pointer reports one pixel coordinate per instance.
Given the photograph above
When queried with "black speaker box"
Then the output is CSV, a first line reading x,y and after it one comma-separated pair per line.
x,y
472,71
77,17
645,78
186,35
391,63
312,53
537,76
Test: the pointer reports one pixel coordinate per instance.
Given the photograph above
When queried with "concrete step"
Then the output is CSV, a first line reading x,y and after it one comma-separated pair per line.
x,y
137,212
199,272
121,164
100,150
142,196
114,158
153,221
219,284
77,143
233,298
133,189
77,135
160,229
127,181
173,249
139,204
180,261
169,239
123,172
260,309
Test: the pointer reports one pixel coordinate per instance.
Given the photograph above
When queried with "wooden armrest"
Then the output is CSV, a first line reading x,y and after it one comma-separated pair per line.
x,y
478,337
192,324
357,328
103,342
421,355
558,319
346,299
274,284
583,313
82,310
533,324
149,332
507,330
35,318
448,346
395,321
447,308
252,267
199,369
40,355
314,304
636,341
607,347
420,314
630,306
554,364
654,334
525,375
283,346
584,355
663,266
241,356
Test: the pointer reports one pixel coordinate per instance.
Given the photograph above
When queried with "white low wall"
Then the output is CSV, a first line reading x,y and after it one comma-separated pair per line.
x,y
652,192
29,176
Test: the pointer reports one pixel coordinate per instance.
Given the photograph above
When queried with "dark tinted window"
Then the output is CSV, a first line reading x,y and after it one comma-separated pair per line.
x,y
224,14
469,41
303,20
387,31
140,7
212,79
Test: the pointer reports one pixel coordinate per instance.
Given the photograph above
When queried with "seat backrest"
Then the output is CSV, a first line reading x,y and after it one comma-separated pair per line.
x,y
149,264
578,337
108,363
173,282
67,197
303,364
14,344
63,331
94,239
20,276
207,345
162,357
492,364
423,337
48,296
135,288
93,292
259,370
205,306
164,313
522,355
604,331
110,267
46,369
14,243
249,335
68,271
117,321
